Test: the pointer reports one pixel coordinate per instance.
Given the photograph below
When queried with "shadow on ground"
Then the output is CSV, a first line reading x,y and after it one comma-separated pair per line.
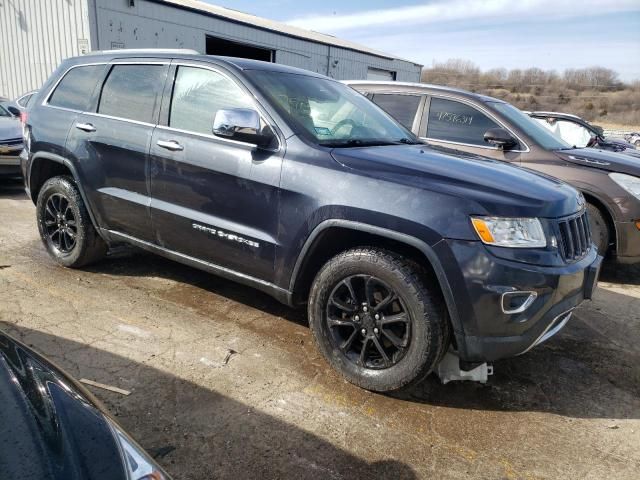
x,y
12,188
586,371
207,434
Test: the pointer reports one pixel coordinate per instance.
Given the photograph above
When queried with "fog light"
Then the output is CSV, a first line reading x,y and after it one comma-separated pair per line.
x,y
517,302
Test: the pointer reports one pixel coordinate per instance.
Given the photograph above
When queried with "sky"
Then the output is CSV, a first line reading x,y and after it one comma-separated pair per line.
x,y
550,34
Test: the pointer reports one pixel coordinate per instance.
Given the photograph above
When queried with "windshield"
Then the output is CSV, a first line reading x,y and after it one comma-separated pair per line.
x,y
545,138
329,113
4,113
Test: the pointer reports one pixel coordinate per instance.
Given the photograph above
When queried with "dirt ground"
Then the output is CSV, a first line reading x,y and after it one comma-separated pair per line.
x,y
568,409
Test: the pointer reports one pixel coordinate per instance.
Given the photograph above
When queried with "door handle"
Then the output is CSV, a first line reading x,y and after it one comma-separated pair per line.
x,y
86,127
170,145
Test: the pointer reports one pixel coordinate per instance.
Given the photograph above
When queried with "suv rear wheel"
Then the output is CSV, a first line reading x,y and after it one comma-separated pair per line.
x,y
64,224
376,320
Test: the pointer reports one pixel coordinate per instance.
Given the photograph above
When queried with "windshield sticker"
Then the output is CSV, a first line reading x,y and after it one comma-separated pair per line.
x,y
322,131
454,118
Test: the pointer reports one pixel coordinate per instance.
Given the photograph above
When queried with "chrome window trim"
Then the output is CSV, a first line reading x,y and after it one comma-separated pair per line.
x,y
45,102
484,111
261,111
263,114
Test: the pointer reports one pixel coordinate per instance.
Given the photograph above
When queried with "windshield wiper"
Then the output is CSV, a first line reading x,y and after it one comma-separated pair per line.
x,y
355,142
408,141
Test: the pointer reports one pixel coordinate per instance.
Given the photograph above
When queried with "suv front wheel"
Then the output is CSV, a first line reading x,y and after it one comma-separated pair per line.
x,y
377,319
64,224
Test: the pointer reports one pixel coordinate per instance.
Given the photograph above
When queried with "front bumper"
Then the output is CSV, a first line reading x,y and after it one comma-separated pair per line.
x,y
10,164
488,330
628,242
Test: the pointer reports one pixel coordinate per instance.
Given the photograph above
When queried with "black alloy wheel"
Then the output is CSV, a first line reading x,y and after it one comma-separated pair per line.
x,y
368,322
60,223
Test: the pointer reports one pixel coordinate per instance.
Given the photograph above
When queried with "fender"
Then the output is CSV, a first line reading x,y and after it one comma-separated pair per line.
x,y
74,173
426,249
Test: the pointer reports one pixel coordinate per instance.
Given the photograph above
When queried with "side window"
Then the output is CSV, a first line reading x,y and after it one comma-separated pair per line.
x,y
75,89
198,94
133,92
457,122
401,107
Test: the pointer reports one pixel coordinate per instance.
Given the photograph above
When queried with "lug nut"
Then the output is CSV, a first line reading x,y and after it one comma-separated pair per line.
x,y
364,309
377,317
363,331
376,331
356,318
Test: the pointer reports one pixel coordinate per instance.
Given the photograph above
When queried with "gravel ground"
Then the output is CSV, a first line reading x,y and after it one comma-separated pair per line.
x,y
568,409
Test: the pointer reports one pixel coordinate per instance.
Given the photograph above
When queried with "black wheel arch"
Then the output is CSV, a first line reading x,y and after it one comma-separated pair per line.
x,y
358,234
46,165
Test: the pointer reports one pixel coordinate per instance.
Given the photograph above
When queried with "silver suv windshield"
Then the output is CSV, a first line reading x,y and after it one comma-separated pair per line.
x,y
545,138
329,113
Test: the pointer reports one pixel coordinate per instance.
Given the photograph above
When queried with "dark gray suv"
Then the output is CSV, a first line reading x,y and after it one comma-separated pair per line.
x,y
295,184
487,126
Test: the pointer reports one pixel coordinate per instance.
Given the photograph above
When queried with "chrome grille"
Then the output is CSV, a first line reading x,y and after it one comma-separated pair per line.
x,y
575,237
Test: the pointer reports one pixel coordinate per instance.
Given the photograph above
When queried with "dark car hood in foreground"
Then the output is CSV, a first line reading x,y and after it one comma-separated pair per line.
x,y
502,189
49,428
609,161
10,128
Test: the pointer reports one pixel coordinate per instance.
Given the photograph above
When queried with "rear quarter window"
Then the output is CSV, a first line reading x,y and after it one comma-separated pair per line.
x,y
401,107
75,89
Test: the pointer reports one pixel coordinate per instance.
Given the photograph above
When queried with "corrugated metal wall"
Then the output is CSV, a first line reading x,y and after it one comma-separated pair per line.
x,y
35,36
149,24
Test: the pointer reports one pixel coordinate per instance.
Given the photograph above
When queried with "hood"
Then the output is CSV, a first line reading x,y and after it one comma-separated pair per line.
x,y
49,428
500,188
619,146
10,128
602,159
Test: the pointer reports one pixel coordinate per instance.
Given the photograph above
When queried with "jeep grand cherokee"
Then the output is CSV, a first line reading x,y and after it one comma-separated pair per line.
x,y
293,183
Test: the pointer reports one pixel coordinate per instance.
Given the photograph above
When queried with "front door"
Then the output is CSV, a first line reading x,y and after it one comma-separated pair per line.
x,y
112,146
213,199
461,126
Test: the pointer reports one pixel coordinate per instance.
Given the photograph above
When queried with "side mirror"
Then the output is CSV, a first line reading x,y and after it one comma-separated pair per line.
x,y
242,124
14,111
500,138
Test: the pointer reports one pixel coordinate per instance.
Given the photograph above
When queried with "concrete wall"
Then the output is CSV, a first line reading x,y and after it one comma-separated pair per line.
x,y
35,36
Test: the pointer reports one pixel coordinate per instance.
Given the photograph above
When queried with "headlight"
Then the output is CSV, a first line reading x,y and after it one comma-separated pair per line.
x,y
137,462
629,183
510,232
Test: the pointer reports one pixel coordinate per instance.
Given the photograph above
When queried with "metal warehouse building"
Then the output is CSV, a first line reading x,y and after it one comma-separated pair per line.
x,y
36,35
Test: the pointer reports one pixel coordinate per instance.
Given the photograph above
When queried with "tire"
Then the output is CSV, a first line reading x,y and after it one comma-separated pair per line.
x,y
60,208
637,143
600,234
412,346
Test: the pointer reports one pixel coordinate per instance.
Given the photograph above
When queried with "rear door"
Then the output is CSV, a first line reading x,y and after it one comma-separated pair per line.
x,y
213,199
458,124
111,144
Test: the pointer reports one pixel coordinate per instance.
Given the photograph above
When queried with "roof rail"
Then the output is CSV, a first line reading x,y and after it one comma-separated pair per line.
x,y
180,51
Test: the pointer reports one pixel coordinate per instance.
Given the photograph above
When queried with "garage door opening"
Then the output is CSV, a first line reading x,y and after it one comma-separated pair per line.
x,y
221,46
379,74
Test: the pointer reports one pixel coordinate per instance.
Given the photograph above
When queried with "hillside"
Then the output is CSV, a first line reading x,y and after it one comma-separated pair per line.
x,y
594,93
